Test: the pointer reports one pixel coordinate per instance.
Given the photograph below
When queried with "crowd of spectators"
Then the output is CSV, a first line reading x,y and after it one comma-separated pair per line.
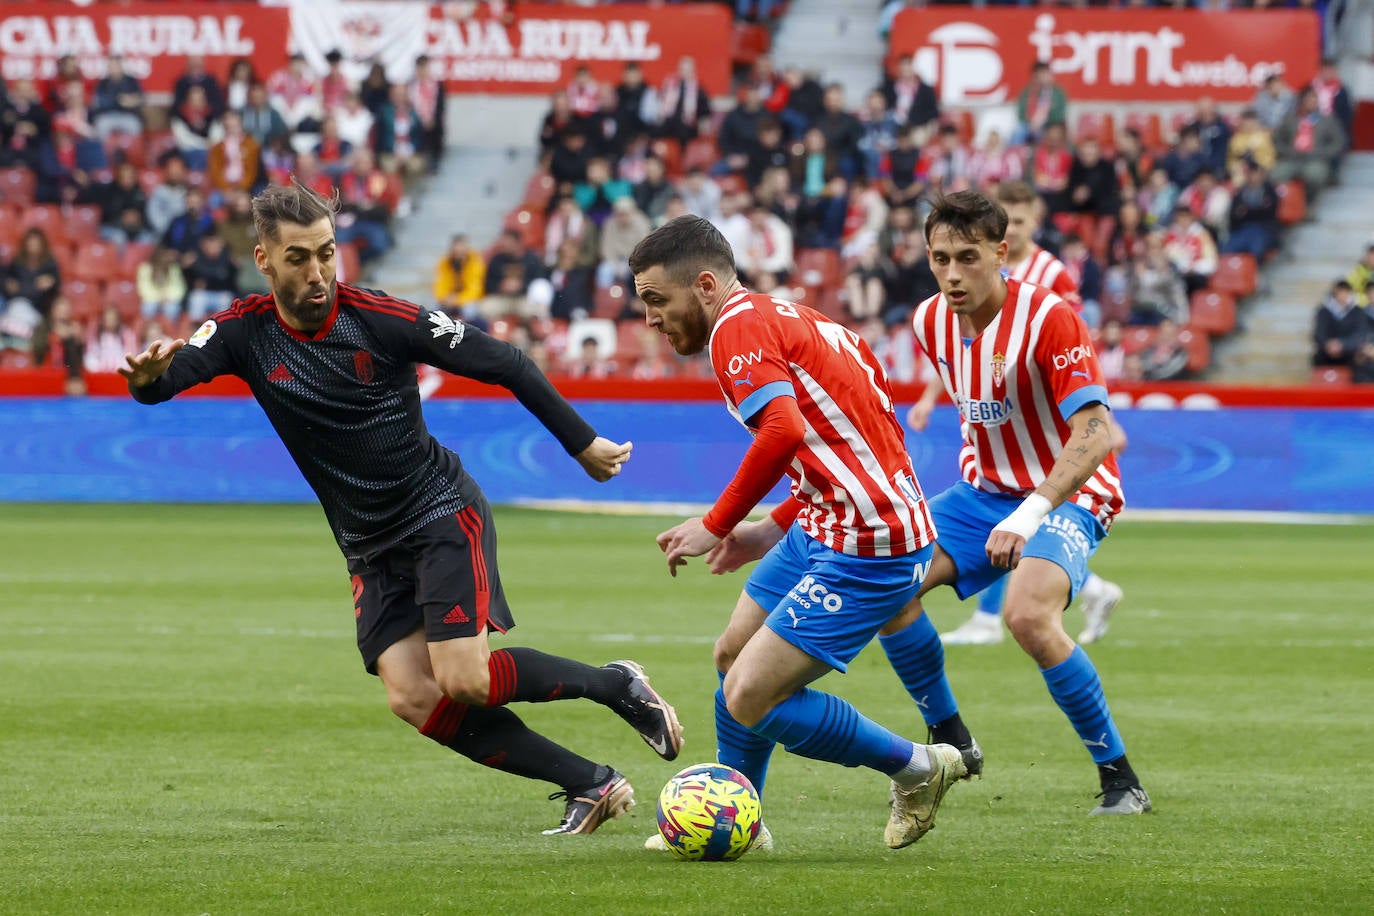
x,y
822,198
156,200
1343,329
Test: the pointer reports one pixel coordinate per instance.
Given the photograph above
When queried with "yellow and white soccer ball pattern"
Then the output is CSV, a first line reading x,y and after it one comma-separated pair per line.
x,y
709,813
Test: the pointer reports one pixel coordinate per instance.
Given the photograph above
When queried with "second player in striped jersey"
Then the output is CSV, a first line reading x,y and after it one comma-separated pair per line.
x,y
1040,486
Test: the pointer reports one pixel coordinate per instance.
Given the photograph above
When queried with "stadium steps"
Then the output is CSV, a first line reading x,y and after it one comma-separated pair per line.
x,y
1276,346
489,159
837,38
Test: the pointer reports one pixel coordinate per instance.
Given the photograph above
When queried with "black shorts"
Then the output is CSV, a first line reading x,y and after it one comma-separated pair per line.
x,y
442,578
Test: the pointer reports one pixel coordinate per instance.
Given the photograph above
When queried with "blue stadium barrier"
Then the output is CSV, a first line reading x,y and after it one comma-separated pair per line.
x,y
223,450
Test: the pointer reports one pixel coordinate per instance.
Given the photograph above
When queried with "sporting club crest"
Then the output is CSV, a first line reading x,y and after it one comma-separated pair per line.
x,y
999,366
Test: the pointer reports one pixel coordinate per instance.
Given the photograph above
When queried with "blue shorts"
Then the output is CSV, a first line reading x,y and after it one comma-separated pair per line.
x,y
964,517
830,604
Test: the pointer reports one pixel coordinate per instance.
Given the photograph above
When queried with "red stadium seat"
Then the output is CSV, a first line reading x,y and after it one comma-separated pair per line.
x,y
1236,274
1137,338
123,295
818,267
96,261
350,264
1331,375
608,302
1098,125
1292,202
1146,123
668,149
86,299
1199,347
700,153
1116,306
529,223
83,224
1212,312
134,254
748,42
540,191
17,185
47,217
629,344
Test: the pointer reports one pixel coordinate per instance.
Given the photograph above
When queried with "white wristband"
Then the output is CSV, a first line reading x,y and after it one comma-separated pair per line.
x,y
1027,516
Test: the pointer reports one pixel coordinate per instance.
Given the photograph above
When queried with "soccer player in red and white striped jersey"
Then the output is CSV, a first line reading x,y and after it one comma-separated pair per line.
x,y
1028,262
1041,486
820,409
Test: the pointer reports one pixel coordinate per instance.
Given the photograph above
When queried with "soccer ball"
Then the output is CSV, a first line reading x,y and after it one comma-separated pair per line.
x,y
709,813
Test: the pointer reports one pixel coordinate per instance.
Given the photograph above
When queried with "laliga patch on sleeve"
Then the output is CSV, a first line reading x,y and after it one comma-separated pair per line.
x,y
203,333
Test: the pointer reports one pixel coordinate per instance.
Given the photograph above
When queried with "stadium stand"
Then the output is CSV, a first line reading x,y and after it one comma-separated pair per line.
x,y
845,175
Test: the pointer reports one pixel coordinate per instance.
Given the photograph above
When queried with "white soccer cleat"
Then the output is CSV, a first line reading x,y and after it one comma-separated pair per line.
x,y
979,630
1098,605
913,809
762,843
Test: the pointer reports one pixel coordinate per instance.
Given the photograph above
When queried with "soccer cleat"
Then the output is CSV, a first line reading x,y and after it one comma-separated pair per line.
x,y
1097,611
1121,798
762,843
973,759
590,808
979,630
648,712
913,809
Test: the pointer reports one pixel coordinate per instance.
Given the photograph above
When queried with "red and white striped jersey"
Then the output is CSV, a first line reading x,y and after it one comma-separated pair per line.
x,y
852,473
1044,269
1015,385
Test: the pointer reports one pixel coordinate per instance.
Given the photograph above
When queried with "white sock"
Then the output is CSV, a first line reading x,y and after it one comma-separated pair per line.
x,y
917,771
984,619
1093,585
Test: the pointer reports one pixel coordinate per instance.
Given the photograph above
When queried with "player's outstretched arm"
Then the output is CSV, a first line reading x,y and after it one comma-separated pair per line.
x,y
749,541
1089,443
603,458
148,366
686,539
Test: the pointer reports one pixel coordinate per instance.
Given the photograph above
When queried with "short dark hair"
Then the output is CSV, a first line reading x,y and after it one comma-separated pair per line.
x,y
293,203
969,215
1016,192
684,247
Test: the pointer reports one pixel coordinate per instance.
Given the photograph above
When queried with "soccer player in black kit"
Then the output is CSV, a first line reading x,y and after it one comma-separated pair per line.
x,y
333,367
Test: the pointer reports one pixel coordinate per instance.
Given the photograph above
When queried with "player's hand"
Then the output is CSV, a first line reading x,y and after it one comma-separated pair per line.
x,y
747,543
1004,548
918,417
686,539
603,458
148,366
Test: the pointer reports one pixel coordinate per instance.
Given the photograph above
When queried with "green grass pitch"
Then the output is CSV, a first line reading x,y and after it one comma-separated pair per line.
x,y
185,727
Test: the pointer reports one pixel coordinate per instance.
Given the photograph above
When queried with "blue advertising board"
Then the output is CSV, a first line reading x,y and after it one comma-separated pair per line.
x,y
224,450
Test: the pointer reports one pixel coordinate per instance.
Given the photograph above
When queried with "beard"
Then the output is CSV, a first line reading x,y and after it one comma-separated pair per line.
x,y
297,304
694,334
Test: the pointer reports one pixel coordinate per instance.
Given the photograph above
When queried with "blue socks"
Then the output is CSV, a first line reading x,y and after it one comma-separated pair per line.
x,y
824,727
990,599
1075,686
738,747
918,657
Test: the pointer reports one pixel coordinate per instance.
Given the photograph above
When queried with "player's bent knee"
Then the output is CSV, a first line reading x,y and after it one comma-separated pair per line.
x,y
414,701
471,687
747,701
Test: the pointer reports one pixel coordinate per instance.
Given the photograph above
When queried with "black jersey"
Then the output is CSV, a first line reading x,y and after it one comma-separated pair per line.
x,y
346,403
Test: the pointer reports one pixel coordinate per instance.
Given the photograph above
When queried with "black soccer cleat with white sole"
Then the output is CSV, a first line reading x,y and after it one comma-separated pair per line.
x,y
591,807
649,713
